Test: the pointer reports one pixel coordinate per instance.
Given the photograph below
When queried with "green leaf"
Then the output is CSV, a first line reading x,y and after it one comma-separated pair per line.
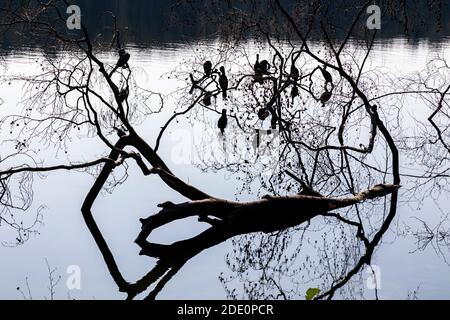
x,y
311,293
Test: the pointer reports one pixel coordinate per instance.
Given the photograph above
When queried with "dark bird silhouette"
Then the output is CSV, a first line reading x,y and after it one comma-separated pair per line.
x,y
207,99
207,67
326,75
263,114
325,97
257,66
223,121
123,94
273,122
124,57
223,82
294,93
295,73
258,71
265,66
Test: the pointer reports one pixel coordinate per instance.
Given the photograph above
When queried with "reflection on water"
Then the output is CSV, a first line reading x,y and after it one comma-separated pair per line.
x,y
65,241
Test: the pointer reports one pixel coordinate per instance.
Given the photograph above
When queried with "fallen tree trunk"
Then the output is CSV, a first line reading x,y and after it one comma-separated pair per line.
x,y
231,219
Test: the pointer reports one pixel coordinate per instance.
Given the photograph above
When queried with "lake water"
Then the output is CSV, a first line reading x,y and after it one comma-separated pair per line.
x,y
65,241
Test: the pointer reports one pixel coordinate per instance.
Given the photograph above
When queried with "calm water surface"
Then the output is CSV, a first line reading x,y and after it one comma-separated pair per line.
x,y
65,240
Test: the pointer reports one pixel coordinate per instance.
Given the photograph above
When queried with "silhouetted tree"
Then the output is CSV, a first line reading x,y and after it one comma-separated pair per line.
x,y
333,187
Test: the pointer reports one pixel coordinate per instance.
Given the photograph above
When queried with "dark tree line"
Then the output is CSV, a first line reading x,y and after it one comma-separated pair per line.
x,y
160,21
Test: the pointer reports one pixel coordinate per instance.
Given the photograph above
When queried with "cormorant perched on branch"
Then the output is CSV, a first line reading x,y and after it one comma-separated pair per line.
x,y
257,66
273,121
265,66
124,57
326,75
223,82
294,93
207,67
263,114
258,71
295,73
325,97
223,121
207,99
123,94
